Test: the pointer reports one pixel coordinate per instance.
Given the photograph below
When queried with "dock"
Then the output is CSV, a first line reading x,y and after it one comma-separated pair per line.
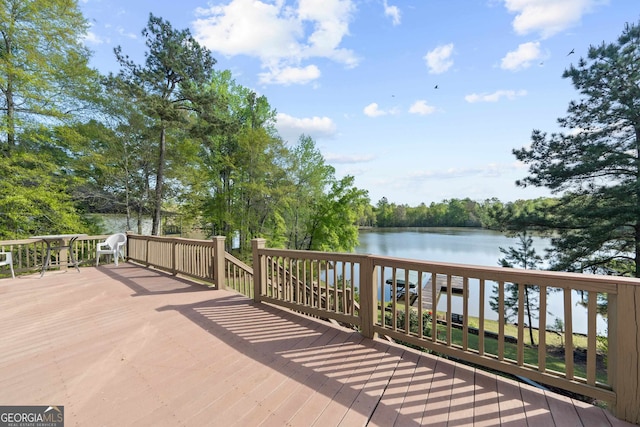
x,y
427,294
441,286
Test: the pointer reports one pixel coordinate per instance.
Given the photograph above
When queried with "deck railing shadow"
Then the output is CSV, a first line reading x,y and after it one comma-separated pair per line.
x,y
147,284
339,367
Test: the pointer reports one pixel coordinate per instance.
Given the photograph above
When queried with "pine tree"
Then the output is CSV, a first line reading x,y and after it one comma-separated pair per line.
x,y
595,163
167,87
524,256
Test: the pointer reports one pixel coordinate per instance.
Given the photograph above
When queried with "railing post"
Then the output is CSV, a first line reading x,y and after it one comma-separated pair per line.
x,y
218,262
368,297
129,234
259,269
174,257
624,351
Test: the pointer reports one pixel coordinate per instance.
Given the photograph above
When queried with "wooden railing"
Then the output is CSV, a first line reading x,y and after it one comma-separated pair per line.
x,y
29,254
350,288
205,260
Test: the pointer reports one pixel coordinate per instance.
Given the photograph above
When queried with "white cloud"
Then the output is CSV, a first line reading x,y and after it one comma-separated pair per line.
x,y
93,38
282,34
495,96
522,57
123,33
393,12
439,59
548,17
347,159
488,170
290,128
290,75
421,107
372,110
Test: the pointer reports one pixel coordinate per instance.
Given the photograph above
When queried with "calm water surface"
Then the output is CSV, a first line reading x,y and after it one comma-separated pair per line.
x,y
463,246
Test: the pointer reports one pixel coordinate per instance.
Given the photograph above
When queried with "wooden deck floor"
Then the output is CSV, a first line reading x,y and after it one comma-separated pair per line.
x,y
132,346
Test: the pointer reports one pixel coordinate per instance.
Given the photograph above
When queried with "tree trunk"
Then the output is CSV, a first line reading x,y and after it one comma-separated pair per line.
x,y
11,124
529,317
157,208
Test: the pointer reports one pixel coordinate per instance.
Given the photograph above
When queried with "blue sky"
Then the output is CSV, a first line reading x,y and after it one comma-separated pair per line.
x,y
419,100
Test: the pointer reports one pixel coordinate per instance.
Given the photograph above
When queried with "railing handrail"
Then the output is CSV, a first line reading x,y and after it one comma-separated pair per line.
x,y
550,278
236,262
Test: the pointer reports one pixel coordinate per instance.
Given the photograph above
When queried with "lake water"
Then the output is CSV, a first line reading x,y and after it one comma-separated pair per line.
x,y
464,246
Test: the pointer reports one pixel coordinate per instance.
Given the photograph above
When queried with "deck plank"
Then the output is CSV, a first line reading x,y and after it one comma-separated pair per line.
x,y
131,346
485,404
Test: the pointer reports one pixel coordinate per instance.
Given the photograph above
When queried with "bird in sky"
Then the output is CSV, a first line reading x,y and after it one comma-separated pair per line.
x,y
572,51
435,87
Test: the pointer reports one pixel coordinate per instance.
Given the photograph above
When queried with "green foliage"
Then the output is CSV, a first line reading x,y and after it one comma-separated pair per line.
x,y
594,163
44,74
333,226
491,213
34,198
449,213
309,175
524,256
413,321
47,88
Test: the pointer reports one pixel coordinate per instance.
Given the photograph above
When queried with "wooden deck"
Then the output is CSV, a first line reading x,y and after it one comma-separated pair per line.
x,y
126,345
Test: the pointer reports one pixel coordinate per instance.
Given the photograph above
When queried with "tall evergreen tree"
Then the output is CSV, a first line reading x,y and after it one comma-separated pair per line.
x,y
595,162
167,86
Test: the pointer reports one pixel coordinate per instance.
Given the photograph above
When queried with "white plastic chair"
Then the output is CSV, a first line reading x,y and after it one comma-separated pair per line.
x,y
8,260
114,246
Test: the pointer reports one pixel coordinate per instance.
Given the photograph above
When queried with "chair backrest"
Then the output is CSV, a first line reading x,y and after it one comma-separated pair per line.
x,y
5,258
114,239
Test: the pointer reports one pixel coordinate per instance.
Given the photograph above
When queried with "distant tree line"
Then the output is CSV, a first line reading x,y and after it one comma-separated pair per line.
x,y
491,214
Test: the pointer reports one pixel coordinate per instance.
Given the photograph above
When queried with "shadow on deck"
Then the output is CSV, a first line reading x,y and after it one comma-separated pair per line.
x,y
133,346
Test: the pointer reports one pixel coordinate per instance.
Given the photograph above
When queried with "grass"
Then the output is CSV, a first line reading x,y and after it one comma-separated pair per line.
x,y
554,356
553,339
554,360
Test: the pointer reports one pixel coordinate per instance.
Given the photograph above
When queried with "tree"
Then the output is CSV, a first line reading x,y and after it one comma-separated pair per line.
x,y
35,198
46,89
524,256
167,86
595,163
309,176
241,169
334,224
44,71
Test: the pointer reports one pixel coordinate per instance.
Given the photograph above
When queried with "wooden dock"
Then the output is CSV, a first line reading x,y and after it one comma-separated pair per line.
x,y
441,286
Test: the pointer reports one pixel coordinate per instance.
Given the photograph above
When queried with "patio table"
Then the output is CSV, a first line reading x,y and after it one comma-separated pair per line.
x,y
58,242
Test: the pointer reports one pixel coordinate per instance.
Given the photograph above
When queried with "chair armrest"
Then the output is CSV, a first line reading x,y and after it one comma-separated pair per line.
x,y
100,246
